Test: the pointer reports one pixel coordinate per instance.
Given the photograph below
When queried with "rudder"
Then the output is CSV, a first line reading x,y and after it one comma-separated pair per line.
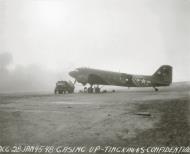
x,y
163,76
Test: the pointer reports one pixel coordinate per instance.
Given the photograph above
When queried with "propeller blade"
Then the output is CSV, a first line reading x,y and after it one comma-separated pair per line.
x,y
75,82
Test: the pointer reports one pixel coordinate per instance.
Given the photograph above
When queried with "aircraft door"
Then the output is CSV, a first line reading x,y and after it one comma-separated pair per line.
x,y
126,79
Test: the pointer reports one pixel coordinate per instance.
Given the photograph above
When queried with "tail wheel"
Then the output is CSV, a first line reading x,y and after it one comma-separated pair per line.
x,y
156,89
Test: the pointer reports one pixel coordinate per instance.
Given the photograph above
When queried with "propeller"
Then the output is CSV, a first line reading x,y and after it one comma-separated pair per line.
x,y
75,82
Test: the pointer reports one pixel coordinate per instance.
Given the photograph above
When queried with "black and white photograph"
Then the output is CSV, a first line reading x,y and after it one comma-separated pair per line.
x,y
95,76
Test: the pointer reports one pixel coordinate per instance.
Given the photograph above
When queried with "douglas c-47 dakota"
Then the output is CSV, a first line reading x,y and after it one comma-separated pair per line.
x,y
162,77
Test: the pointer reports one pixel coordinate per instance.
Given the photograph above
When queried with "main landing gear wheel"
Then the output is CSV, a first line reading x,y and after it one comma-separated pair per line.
x,y
91,89
97,90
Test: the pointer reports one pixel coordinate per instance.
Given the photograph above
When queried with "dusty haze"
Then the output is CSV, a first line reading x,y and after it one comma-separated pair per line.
x,y
41,40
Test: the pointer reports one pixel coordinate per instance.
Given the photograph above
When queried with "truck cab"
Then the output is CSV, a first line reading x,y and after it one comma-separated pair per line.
x,y
64,87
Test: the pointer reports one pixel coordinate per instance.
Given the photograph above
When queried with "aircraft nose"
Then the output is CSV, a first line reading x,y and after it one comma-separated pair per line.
x,y
72,73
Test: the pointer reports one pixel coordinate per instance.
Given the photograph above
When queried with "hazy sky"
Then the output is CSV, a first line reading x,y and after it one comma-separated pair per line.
x,y
132,36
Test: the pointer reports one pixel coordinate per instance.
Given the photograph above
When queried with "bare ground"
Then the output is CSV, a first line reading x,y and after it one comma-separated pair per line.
x,y
91,119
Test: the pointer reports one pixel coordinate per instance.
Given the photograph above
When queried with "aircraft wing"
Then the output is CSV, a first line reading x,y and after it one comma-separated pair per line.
x,y
96,79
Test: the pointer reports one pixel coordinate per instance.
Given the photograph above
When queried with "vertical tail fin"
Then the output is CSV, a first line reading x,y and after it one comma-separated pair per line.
x,y
163,76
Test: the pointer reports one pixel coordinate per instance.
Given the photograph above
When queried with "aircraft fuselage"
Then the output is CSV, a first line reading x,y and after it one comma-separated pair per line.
x,y
100,77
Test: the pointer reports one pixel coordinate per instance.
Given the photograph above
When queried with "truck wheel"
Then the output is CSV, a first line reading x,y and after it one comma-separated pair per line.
x,y
60,92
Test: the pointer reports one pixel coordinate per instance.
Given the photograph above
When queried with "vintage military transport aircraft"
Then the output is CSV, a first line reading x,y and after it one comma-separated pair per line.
x,y
162,77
